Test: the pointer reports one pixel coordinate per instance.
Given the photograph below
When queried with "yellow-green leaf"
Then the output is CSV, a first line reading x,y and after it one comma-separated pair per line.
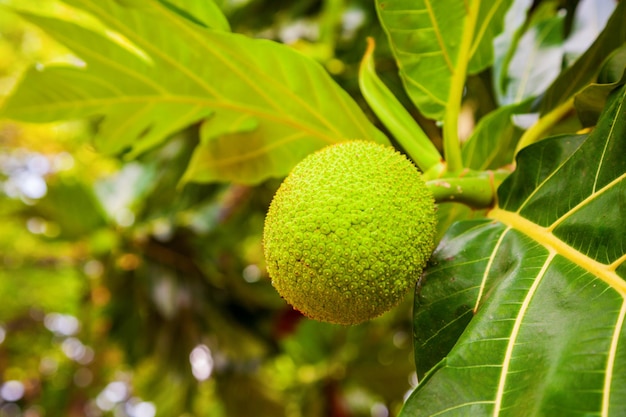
x,y
436,43
153,72
522,313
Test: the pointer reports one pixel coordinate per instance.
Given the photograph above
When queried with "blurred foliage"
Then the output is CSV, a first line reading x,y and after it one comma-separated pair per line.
x,y
124,294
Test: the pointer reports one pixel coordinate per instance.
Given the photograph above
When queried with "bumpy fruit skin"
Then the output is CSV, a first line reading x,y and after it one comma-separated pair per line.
x,y
349,232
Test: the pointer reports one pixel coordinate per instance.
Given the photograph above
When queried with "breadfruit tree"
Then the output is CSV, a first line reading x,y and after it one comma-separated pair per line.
x,y
469,152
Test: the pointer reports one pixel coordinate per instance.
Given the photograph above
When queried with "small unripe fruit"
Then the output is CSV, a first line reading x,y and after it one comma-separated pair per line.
x,y
349,232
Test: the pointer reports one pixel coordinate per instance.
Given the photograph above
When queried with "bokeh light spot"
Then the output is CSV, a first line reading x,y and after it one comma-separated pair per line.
x,y
62,324
12,390
251,273
202,362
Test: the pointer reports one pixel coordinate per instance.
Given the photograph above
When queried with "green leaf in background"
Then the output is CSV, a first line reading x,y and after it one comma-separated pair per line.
x,y
73,206
591,100
437,42
161,73
233,147
586,67
540,286
531,52
505,44
493,141
537,59
36,291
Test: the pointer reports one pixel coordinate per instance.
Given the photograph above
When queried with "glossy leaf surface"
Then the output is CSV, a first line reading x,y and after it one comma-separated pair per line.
x,y
522,313
162,72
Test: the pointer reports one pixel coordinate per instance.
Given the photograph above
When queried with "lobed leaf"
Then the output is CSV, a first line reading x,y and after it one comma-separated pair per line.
x,y
154,72
522,314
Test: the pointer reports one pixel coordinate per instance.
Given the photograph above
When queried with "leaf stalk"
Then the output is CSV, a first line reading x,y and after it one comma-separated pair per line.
x,y
394,116
475,189
451,142
536,132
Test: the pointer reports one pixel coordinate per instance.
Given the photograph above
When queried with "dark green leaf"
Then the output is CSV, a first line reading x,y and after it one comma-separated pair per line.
x,y
591,100
442,311
544,281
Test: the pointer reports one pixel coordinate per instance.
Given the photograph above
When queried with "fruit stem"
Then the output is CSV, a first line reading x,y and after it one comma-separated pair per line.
x,y
394,116
475,189
436,171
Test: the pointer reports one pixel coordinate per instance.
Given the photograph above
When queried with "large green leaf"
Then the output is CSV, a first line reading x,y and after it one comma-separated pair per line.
x,y
162,72
522,313
437,42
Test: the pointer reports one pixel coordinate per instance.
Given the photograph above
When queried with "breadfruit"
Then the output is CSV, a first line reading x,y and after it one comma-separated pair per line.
x,y
349,232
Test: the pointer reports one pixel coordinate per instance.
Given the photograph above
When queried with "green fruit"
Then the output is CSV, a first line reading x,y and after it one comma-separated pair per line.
x,y
349,232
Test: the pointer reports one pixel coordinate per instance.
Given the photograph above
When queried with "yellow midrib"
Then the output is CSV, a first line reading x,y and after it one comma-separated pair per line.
x,y
545,237
606,273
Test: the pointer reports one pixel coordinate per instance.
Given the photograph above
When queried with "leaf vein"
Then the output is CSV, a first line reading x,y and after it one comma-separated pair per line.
x,y
610,366
486,24
544,237
209,103
595,193
515,333
440,41
256,152
492,258
606,144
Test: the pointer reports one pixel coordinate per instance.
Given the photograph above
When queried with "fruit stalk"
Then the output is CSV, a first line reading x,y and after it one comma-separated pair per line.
x,y
476,189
